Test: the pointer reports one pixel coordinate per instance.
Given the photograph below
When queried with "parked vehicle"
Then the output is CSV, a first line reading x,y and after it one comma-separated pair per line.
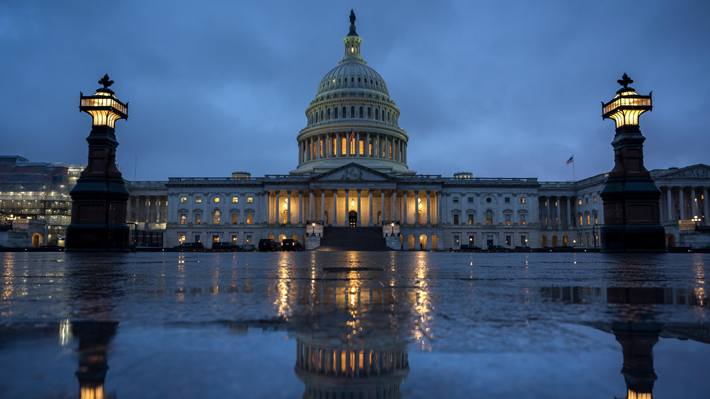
x,y
268,245
191,245
226,246
469,248
497,248
148,247
291,245
523,248
248,248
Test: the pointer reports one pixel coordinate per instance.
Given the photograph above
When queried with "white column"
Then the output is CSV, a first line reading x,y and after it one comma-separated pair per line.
x,y
347,144
310,205
404,209
370,223
335,207
559,217
681,200
569,213
278,212
428,208
382,205
548,199
377,146
322,205
359,218
394,205
288,208
669,201
301,211
416,208
694,204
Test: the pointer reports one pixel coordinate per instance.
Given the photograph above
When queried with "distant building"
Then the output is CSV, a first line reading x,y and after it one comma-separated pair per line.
x,y
39,191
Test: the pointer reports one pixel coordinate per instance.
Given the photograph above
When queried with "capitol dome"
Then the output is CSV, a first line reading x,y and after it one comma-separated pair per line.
x,y
352,119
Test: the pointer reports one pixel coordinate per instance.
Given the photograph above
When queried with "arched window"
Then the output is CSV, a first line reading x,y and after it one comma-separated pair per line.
x,y
344,112
377,114
358,79
352,79
489,217
335,113
321,114
215,217
388,116
352,112
328,114
339,80
360,112
369,112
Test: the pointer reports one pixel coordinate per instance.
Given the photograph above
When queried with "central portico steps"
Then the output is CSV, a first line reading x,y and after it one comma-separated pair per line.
x,y
352,239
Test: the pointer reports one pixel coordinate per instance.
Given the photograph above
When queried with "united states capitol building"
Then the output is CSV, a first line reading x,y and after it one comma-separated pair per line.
x,y
352,172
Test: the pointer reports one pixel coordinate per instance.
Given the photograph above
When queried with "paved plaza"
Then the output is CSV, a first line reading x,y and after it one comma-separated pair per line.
x,y
353,324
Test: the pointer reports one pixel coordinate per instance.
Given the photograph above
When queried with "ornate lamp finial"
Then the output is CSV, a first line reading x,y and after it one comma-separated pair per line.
x,y
105,81
352,17
625,81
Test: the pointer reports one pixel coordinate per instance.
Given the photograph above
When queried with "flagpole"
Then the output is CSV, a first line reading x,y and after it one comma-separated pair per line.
x,y
574,177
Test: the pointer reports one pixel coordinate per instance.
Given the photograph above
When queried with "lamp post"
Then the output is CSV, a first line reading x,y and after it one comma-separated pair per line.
x,y
632,218
100,197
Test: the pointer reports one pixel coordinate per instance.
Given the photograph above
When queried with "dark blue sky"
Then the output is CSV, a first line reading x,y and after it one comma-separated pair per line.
x,y
500,89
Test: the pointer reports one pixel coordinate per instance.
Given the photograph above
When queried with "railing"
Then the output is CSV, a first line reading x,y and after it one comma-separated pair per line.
x,y
146,184
496,181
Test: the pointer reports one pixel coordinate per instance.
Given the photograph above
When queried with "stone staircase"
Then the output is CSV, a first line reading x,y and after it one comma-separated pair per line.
x,y
352,239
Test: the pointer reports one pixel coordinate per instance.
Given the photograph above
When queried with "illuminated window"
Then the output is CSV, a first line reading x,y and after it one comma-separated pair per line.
x,y
235,199
215,217
234,239
471,239
198,219
215,238
183,218
362,147
197,238
581,242
596,240
370,149
470,200
250,199
596,221
216,200
489,217
183,199
522,218
249,218
521,200
456,219
234,218
588,220
508,218
589,244
506,200
198,199
580,201
390,145
581,222
470,219
595,198
181,239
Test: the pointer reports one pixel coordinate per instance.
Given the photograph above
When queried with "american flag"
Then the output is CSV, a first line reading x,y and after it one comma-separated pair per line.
x,y
352,135
570,160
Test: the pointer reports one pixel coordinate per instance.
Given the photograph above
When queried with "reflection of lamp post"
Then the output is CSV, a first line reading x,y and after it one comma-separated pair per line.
x,y
632,218
100,197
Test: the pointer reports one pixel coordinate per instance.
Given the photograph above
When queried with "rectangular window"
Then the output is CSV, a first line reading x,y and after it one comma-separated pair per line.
x,y
198,219
456,240
183,199
390,146
215,238
523,240
456,200
596,241
581,243
589,243
234,218
248,239
362,147
580,202
596,221
249,216
370,148
507,200
581,221
508,216
470,200
545,202
235,200
471,239
197,238
521,200
470,219
182,239
198,199
250,199
343,146
587,199
456,219
587,220
508,240
234,239
522,218
183,219
595,198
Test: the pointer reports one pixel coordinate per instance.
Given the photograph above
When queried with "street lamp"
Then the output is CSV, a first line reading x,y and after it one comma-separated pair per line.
x,y
103,106
626,107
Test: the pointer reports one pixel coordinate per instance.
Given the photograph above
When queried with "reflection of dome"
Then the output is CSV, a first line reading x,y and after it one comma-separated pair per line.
x,y
351,119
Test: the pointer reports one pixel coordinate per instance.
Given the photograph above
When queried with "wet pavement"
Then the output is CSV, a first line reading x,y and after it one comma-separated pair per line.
x,y
354,325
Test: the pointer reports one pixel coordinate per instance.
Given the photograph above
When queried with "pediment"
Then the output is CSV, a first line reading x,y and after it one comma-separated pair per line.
x,y
699,171
352,172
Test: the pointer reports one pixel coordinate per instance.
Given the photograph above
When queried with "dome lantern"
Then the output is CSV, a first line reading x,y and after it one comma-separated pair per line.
x,y
352,43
